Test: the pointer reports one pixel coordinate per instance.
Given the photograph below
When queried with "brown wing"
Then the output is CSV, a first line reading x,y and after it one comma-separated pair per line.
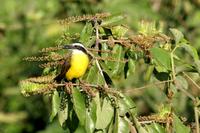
x,y
64,69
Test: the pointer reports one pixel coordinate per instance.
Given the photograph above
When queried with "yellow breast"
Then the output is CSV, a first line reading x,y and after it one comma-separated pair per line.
x,y
79,63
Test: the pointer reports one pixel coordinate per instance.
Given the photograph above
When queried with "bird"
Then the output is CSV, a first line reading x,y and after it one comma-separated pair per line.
x,y
75,64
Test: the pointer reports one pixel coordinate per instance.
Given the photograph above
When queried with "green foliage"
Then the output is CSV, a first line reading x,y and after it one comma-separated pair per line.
x,y
94,105
150,78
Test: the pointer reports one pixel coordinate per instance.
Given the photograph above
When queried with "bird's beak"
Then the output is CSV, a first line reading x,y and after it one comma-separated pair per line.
x,y
68,47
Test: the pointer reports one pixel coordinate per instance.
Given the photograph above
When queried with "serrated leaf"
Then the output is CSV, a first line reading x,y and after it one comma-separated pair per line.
x,y
155,128
79,104
104,114
178,126
86,33
113,20
121,125
162,59
177,35
55,105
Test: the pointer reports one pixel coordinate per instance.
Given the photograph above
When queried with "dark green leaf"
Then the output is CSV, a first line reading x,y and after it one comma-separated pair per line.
x,y
178,126
79,104
162,59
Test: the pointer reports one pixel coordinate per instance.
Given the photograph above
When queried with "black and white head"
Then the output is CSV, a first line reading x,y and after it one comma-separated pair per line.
x,y
76,47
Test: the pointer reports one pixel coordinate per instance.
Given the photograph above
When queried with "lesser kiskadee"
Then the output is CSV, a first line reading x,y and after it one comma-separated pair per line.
x,y
75,64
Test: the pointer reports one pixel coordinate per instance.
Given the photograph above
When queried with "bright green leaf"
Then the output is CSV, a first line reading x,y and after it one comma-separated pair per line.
x,y
63,114
121,125
113,20
89,123
127,105
155,128
55,105
119,31
104,113
117,66
162,58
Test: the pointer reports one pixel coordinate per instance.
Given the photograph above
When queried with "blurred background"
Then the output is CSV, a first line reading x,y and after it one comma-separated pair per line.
x,y
27,26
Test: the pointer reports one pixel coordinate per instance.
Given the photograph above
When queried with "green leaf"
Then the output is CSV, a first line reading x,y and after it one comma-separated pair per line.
x,y
178,126
139,127
126,104
182,82
149,72
119,31
104,114
80,129
86,33
94,72
129,68
177,35
89,123
117,66
162,59
63,112
113,20
121,125
155,128
79,104
54,105
191,50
